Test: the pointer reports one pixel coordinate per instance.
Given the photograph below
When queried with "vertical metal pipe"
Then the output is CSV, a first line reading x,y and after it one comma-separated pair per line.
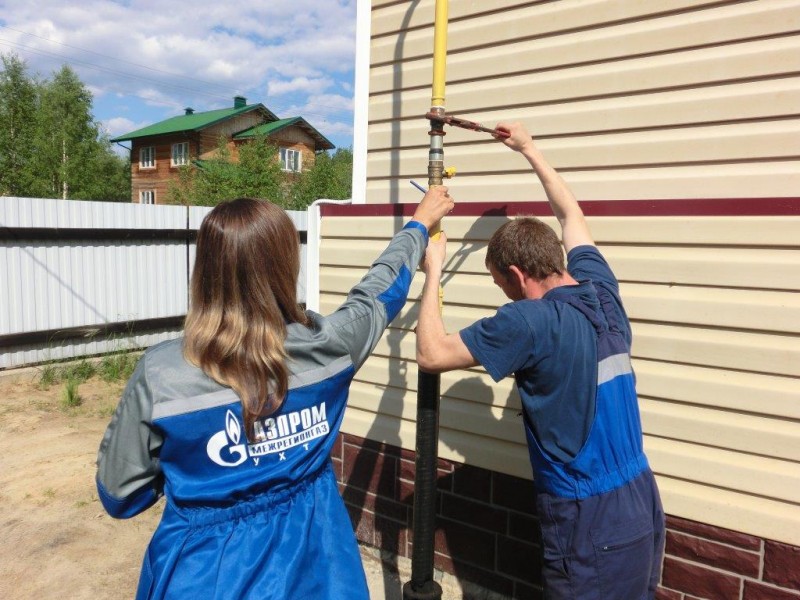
x,y
422,586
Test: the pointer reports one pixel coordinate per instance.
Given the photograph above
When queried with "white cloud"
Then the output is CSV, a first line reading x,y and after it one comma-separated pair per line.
x,y
230,43
165,57
334,128
299,84
222,69
327,104
120,125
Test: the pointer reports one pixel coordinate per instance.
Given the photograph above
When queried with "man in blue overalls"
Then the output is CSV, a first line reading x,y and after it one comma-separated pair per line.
x,y
566,339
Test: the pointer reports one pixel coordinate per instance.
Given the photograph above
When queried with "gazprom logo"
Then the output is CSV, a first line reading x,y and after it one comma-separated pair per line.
x,y
235,453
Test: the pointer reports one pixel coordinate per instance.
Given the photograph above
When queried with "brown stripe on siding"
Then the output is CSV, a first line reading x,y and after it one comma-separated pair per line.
x,y
701,207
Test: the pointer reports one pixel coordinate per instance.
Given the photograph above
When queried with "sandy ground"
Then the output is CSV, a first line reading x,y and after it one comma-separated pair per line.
x,y
57,541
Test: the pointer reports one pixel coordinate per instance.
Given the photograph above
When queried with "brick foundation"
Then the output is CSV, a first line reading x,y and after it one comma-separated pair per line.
x,y
487,532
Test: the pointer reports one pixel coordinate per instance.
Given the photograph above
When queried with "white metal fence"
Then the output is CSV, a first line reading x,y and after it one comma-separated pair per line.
x,y
82,278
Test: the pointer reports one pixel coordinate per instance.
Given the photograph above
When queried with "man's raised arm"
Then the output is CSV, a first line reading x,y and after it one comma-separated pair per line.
x,y
574,229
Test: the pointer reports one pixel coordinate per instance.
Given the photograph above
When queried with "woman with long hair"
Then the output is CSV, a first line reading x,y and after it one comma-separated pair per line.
x,y
235,421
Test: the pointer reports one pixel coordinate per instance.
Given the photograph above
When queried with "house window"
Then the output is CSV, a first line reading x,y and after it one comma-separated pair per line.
x,y
180,154
290,160
147,197
147,157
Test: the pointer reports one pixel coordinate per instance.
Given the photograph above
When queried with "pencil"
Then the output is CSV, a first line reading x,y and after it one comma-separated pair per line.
x,y
418,186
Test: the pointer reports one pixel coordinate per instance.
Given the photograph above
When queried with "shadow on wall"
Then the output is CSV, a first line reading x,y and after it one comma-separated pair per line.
x,y
374,470
371,469
486,532
377,468
397,85
485,521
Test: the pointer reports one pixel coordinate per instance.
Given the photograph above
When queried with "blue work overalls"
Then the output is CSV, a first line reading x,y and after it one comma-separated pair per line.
x,y
601,516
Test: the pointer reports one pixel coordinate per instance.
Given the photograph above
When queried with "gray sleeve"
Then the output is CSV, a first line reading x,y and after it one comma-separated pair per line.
x,y
129,479
380,295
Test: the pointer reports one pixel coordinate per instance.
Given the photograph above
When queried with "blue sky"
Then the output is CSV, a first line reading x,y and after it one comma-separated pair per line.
x,y
147,60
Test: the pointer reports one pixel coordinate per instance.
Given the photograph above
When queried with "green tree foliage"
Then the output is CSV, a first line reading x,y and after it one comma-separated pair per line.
x,y
261,174
18,104
64,114
56,150
258,174
110,179
331,177
208,182
181,189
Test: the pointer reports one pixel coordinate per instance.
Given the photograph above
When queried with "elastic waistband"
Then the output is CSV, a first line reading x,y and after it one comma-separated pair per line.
x,y
205,516
563,484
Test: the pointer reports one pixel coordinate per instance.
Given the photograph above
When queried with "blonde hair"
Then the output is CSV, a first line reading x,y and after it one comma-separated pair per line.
x,y
243,294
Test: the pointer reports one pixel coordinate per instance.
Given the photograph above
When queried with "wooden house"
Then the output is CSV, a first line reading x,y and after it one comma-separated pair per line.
x,y
160,149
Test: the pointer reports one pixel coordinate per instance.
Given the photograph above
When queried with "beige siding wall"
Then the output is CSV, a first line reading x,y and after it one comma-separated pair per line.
x,y
687,99
629,99
715,308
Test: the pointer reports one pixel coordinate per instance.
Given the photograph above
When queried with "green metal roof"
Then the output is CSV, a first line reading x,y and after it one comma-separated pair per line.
x,y
191,122
266,128
322,143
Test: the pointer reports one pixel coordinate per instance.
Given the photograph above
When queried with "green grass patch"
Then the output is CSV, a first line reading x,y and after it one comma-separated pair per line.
x,y
49,375
117,367
70,398
80,371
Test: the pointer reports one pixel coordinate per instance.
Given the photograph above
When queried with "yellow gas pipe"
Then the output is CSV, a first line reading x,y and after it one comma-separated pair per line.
x,y
436,152
439,53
